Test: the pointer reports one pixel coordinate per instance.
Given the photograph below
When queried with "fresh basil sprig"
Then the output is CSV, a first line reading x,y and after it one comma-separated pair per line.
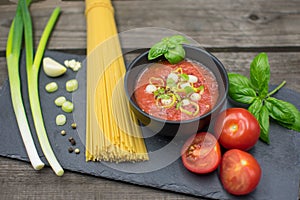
x,y
170,47
254,92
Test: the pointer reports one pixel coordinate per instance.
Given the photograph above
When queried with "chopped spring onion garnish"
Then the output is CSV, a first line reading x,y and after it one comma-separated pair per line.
x,y
186,111
195,97
13,50
158,82
192,79
60,100
60,120
51,87
166,100
32,68
67,106
72,85
178,92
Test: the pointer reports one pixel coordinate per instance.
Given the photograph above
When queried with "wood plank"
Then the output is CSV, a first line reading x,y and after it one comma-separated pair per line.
x,y
19,181
219,23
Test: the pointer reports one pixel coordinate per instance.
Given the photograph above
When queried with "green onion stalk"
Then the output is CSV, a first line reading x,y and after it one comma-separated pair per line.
x,y
32,67
13,50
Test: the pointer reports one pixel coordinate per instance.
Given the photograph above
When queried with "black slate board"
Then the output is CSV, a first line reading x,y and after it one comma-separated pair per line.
x,y
280,161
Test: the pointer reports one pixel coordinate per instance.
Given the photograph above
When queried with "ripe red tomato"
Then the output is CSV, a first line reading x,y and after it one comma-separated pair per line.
x,y
201,153
237,128
240,173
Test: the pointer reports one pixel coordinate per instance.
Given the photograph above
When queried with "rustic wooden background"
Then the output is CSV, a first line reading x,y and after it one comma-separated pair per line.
x,y
234,30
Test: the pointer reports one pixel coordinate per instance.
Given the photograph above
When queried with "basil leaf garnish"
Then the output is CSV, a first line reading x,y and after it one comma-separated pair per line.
x,y
178,39
175,55
157,50
170,47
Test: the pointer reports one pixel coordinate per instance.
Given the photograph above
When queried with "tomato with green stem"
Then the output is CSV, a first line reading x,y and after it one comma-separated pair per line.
x,y
237,128
201,153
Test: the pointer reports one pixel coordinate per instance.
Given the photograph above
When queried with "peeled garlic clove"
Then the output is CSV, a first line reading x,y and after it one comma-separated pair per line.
x,y
53,68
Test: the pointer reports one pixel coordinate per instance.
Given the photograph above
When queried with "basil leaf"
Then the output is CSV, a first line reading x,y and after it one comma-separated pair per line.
x,y
240,89
280,110
255,107
238,80
264,123
294,122
243,95
261,113
175,55
157,50
296,125
178,39
260,74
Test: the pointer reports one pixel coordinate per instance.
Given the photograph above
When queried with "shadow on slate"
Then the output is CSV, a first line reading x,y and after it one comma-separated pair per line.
x,y
280,161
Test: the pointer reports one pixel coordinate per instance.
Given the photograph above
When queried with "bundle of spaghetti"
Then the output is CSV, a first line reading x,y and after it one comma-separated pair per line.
x,y
112,133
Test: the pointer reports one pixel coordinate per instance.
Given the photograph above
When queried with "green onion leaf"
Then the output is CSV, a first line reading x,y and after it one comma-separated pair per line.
x,y
32,79
13,50
184,77
188,89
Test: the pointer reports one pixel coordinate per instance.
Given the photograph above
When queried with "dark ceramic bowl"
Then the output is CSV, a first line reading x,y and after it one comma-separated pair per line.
x,y
184,127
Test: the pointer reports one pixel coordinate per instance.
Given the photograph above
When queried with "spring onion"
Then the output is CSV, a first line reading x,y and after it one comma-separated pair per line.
x,y
72,85
13,50
51,87
156,81
60,100
193,113
32,67
60,120
67,106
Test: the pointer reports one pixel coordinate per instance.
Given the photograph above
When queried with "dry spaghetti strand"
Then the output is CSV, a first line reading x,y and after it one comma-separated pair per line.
x,y
111,130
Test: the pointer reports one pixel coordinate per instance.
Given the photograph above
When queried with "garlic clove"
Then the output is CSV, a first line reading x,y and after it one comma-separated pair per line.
x,y
53,68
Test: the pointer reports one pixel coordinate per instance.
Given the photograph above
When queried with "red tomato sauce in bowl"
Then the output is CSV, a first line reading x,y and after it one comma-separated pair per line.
x,y
176,92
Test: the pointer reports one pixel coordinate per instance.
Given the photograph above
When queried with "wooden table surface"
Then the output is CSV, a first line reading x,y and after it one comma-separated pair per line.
x,y
234,30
